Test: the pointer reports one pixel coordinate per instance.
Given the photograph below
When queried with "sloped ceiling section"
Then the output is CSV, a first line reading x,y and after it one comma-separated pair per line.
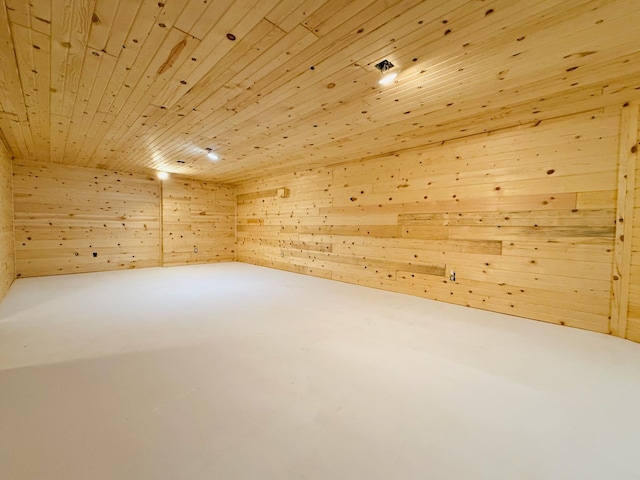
x,y
277,86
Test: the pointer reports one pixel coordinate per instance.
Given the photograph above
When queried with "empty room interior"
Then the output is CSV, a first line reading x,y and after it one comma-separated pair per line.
x,y
319,239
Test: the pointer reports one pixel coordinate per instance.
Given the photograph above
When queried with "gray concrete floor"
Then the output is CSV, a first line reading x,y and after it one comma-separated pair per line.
x,y
233,371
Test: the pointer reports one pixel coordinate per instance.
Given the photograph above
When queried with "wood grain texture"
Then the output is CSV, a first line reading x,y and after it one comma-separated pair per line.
x,y
277,86
499,153
632,144
76,219
524,216
7,253
66,214
627,157
198,222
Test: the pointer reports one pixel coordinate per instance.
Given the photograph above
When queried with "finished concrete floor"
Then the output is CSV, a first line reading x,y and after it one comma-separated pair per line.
x,y
232,371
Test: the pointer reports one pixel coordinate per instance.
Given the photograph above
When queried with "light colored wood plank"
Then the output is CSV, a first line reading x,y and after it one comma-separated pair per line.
x,y
60,222
198,222
624,216
7,252
523,248
65,214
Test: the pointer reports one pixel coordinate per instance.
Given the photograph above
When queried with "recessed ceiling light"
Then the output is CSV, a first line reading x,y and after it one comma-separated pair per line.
x,y
163,175
387,77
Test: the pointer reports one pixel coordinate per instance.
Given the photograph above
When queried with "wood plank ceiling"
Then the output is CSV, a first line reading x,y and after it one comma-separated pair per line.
x,y
275,86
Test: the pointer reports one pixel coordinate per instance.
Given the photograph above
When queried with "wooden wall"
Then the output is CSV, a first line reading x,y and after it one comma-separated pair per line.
x,y
540,220
75,219
198,222
525,217
7,254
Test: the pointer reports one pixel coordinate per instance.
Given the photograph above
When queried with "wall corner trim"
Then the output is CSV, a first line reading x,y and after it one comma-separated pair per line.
x,y
627,158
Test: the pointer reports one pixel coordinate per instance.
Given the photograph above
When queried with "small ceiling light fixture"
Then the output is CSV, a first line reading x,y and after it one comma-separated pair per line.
x,y
387,77
163,175
212,156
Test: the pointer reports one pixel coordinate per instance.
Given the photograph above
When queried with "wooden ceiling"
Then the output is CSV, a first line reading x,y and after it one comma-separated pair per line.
x,y
275,86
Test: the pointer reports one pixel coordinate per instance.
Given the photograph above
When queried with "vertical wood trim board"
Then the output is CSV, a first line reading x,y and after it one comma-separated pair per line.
x,y
624,219
161,214
198,222
7,253
524,217
633,312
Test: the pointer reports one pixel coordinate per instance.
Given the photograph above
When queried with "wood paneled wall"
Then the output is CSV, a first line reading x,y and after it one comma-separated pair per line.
x,y
540,220
7,253
198,222
524,217
76,219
